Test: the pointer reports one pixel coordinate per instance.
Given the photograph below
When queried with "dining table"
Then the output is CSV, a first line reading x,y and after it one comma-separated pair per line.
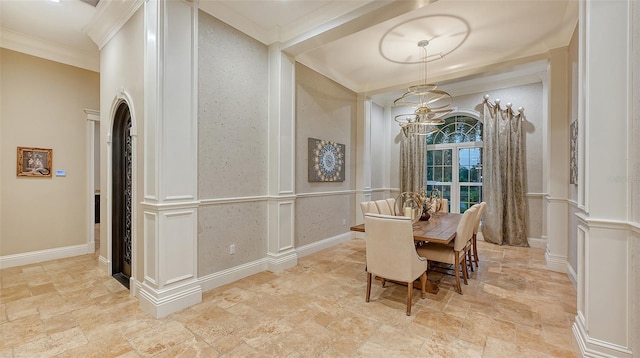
x,y
439,229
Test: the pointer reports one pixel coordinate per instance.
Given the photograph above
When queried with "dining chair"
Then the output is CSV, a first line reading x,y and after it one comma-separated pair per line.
x,y
392,205
474,248
383,207
456,254
369,207
391,253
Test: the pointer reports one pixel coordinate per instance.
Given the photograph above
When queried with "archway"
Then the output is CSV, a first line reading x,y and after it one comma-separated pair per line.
x,y
121,195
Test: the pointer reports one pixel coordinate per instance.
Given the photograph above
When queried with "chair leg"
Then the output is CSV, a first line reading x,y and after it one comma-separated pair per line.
x,y
475,250
368,285
457,273
409,292
469,259
423,284
464,270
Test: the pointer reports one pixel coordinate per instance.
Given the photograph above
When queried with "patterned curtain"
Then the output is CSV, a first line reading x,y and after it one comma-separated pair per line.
x,y
413,155
505,218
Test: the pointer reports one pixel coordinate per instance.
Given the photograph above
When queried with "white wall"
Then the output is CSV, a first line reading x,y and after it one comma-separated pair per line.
x,y
122,78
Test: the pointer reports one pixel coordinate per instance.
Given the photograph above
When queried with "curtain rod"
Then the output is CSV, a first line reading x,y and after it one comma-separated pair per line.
x,y
497,103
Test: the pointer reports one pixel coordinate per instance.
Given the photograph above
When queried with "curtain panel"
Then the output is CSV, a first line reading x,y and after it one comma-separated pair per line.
x,y
413,155
505,219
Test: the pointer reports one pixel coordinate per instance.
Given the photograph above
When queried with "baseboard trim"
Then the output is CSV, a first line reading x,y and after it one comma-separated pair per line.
x,y
35,257
537,243
573,276
323,244
595,348
104,264
221,278
555,263
162,302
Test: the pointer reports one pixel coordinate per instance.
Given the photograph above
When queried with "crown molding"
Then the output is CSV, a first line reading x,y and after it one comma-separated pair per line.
x,y
303,26
109,18
16,41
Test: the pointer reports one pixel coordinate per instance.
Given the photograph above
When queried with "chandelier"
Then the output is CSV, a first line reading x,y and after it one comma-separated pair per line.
x,y
428,104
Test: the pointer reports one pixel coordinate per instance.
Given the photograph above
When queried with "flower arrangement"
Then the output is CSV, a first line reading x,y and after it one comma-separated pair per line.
x,y
431,202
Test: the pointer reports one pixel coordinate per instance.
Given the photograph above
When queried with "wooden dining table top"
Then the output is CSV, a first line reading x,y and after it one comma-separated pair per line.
x,y
439,229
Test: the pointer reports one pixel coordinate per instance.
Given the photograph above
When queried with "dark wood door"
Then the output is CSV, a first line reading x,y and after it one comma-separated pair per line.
x,y
122,195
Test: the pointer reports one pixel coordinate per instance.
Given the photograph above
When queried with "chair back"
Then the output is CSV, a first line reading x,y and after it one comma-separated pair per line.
x,y
465,228
369,207
390,249
383,207
481,208
392,205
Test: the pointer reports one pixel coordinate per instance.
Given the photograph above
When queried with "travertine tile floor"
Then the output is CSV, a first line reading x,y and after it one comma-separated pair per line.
x,y
512,307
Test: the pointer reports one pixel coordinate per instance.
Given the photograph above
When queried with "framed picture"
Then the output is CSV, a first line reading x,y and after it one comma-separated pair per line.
x,y
573,153
34,162
326,161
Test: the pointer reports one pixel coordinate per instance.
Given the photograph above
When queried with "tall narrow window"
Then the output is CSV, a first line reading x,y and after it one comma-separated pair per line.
x,y
454,161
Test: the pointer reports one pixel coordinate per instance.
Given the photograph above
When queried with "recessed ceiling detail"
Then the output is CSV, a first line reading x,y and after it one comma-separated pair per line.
x,y
93,3
445,34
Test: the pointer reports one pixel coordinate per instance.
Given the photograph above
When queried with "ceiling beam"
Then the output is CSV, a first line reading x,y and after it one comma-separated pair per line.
x,y
360,19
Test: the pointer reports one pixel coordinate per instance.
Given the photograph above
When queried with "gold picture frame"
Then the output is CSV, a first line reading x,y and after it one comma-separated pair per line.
x,y
34,162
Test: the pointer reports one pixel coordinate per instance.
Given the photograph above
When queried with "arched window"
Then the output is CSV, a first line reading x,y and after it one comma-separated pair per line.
x,y
454,161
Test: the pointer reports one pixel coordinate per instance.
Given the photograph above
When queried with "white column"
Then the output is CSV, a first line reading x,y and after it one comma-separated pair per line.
x,y
281,252
363,154
558,161
93,119
603,326
170,158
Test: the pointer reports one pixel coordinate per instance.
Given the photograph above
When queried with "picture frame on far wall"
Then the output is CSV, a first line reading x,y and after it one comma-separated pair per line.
x,y
34,162
326,161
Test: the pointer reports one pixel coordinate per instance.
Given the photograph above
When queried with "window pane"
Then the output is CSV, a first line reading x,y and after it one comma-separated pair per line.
x,y
429,173
464,193
437,174
474,195
447,174
463,174
474,175
463,207
448,157
437,157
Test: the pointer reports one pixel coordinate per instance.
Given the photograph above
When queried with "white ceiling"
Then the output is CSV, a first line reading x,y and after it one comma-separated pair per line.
x,y
365,45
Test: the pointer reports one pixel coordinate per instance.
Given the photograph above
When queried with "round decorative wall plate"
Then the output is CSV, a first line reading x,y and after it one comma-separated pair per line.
x,y
326,160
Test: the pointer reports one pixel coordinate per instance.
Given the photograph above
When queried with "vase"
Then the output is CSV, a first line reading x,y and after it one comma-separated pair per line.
x,y
425,216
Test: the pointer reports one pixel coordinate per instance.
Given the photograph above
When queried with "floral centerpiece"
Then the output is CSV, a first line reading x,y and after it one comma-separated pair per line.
x,y
431,202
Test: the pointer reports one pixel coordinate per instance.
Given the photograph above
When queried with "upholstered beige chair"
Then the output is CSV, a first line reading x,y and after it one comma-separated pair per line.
x,y
474,247
392,205
444,206
369,207
383,207
391,253
457,254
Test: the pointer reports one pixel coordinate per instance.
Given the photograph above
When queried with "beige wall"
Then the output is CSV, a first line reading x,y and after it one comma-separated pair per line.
x,y
42,106
324,110
232,146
